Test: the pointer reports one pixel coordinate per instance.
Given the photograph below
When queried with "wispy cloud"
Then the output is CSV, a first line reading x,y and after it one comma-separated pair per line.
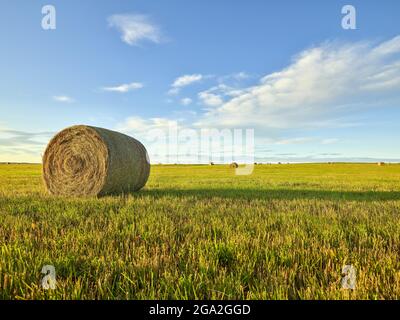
x,y
135,28
22,146
186,101
184,81
322,86
62,98
123,88
238,76
210,99
216,95
326,86
141,127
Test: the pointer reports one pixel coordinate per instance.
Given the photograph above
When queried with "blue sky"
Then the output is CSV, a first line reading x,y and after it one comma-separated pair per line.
x,y
311,90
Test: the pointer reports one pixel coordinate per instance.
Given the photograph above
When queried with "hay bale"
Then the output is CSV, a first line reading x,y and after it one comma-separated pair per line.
x,y
381,163
211,163
89,161
234,165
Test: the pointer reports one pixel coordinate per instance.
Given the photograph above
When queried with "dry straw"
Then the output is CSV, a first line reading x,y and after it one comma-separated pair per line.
x,y
89,161
234,165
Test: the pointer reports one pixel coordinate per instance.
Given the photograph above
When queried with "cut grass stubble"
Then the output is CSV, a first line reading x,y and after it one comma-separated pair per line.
x,y
200,232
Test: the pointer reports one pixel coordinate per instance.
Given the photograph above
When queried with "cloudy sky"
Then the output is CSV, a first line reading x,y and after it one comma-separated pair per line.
x,y
311,90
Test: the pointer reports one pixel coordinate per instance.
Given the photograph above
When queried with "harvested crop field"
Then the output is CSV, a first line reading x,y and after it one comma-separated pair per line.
x,y
200,232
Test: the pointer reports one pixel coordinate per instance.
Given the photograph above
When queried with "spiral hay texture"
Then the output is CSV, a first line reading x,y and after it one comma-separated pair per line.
x,y
90,161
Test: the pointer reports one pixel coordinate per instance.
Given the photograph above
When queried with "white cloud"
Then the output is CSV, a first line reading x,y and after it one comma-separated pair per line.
x,y
326,86
215,95
210,99
135,28
184,81
186,101
22,146
322,86
140,126
123,88
65,99
173,91
173,141
238,76
153,133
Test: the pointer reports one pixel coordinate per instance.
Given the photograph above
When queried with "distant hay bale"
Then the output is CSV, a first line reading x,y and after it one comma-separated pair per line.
x,y
89,161
234,165
211,163
381,163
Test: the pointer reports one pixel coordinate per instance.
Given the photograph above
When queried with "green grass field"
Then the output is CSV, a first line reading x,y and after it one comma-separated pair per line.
x,y
200,232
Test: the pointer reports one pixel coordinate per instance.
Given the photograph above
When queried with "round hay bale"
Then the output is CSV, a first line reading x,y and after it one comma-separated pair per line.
x,y
381,163
89,161
234,165
211,163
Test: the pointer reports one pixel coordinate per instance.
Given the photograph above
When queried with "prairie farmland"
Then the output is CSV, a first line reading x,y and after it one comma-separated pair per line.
x,y
202,232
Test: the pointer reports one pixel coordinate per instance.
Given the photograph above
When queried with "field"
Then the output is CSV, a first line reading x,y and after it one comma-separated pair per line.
x,y
200,232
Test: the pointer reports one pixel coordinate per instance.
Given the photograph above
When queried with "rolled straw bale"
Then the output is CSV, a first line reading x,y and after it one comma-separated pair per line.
x,y
89,161
234,165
